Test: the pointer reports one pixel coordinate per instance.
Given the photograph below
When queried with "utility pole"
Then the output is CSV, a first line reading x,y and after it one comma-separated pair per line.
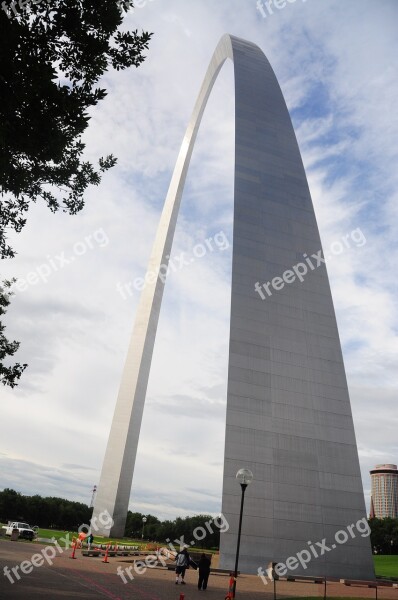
x,y
93,496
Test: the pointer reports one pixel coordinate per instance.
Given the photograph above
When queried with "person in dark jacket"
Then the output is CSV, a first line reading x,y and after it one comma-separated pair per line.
x,y
204,572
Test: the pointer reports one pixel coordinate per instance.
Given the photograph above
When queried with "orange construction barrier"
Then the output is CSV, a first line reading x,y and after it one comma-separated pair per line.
x,y
106,555
230,588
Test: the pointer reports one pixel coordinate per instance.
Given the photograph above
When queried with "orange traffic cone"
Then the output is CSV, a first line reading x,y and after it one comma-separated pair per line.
x,y
230,589
74,546
106,555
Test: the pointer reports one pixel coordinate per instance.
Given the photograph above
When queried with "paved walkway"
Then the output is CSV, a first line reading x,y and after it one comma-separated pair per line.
x,y
89,578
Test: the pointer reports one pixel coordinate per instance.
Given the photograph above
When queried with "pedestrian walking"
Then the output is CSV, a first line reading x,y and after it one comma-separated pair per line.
x,y
182,564
204,572
90,539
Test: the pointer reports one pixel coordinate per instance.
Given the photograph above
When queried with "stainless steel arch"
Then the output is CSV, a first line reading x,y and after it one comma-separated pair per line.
x,y
288,411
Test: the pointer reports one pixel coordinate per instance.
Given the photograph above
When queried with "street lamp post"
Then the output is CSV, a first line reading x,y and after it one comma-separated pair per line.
x,y
144,520
244,476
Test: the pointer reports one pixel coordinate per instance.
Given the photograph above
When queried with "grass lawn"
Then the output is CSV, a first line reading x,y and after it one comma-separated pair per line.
x,y
386,565
54,533
50,533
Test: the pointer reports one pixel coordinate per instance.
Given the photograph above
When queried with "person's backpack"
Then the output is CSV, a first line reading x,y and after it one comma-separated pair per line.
x,y
181,560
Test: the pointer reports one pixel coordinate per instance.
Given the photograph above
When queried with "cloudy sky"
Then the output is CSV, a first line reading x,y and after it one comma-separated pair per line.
x,y
75,304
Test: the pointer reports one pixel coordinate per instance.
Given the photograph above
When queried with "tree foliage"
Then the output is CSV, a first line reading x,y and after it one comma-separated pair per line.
x,y
8,375
182,528
52,59
384,535
53,56
51,512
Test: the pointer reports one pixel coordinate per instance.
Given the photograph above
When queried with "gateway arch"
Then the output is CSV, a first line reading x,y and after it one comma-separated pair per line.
x,y
288,409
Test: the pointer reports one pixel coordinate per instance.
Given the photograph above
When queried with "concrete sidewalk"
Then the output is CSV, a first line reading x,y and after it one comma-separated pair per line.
x,y
88,578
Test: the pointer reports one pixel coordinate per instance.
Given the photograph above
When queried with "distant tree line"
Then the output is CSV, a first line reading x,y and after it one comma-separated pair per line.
x,y
58,513
53,513
384,536
180,529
